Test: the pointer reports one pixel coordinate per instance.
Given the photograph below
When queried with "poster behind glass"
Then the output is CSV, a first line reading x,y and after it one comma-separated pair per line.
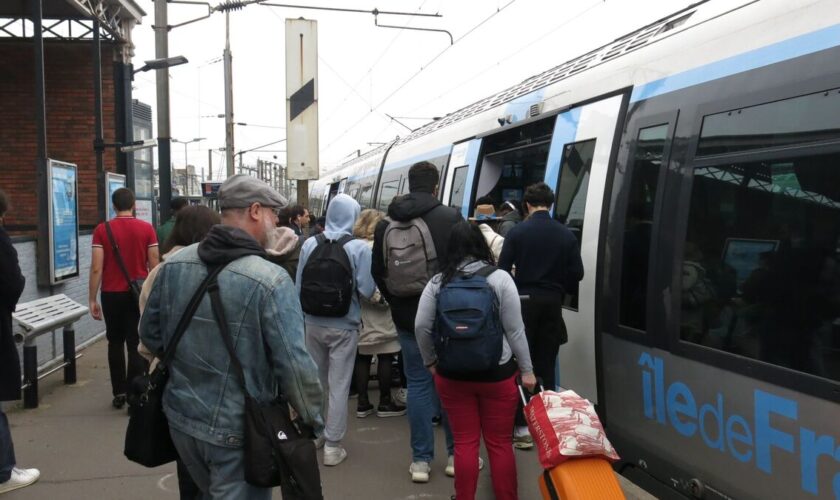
x,y
64,221
112,183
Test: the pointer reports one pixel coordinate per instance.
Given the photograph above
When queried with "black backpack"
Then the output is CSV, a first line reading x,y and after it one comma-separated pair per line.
x,y
326,283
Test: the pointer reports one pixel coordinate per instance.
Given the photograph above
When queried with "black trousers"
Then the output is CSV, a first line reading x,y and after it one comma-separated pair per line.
x,y
122,315
546,332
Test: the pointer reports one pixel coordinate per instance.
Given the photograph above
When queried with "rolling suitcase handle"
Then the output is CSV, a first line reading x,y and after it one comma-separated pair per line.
x,y
522,390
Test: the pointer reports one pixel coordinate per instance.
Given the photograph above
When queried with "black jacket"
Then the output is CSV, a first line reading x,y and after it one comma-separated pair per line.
x,y
439,219
546,256
11,286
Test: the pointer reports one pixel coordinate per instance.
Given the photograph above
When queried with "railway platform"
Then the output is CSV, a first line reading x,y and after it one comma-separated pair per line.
x,y
75,438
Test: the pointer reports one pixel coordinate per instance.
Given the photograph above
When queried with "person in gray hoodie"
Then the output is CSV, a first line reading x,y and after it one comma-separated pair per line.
x,y
332,341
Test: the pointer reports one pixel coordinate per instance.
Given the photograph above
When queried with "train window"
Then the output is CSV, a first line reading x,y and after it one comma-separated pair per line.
x,y
459,182
387,193
571,194
366,194
638,224
761,264
808,118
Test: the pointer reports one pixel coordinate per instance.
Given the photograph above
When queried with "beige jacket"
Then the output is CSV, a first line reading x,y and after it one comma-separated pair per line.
x,y
494,240
377,324
144,297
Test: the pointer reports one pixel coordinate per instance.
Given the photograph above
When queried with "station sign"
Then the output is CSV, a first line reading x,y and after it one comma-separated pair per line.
x,y
210,189
301,99
63,226
112,183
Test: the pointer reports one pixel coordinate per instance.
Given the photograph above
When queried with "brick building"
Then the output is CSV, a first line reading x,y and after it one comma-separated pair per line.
x,y
65,130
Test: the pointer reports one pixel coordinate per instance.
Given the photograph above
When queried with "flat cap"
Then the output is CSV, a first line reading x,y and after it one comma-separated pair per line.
x,y
241,191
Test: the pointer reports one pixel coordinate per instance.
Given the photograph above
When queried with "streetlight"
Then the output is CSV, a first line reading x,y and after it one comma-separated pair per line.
x,y
166,62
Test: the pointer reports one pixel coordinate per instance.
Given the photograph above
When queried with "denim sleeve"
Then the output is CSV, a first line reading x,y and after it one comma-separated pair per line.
x,y
150,332
364,280
296,373
425,319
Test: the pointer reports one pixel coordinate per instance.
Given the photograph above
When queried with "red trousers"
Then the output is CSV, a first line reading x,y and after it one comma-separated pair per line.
x,y
477,409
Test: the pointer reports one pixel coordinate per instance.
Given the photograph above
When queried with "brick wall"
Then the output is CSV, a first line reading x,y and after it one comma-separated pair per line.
x,y
68,68
50,346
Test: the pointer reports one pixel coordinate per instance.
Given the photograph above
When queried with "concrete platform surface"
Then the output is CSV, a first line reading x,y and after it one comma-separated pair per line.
x,y
76,439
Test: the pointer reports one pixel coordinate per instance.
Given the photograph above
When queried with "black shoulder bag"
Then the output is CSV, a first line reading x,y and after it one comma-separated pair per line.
x,y
134,286
279,451
147,440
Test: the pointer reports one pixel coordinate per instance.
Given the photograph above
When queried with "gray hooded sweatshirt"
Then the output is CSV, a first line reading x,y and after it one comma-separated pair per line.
x,y
341,215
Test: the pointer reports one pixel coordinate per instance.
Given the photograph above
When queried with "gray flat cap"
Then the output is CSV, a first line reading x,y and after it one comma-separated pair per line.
x,y
241,191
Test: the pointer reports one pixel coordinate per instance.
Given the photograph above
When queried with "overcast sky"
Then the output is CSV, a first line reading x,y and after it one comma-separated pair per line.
x,y
366,72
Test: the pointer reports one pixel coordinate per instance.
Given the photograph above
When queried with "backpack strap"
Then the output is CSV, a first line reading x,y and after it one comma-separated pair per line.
x,y
345,239
484,272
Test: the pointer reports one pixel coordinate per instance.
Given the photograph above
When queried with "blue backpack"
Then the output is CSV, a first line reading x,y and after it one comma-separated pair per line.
x,y
468,332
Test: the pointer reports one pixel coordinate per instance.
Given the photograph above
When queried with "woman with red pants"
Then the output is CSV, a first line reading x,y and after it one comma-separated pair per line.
x,y
478,403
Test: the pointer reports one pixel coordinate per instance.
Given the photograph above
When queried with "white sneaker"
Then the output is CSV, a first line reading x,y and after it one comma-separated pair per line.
x,y
419,472
450,465
522,439
334,455
19,479
401,396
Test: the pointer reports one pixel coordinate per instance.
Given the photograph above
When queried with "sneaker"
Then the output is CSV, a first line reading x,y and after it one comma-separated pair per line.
x,y
436,420
19,479
450,465
390,409
522,439
119,401
401,396
419,472
363,410
334,455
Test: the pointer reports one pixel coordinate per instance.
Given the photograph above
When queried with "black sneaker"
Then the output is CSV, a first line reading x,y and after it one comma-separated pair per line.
x,y
436,420
390,409
119,401
363,411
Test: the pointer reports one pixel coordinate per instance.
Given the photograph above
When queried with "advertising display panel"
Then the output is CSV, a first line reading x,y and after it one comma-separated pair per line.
x,y
112,183
64,221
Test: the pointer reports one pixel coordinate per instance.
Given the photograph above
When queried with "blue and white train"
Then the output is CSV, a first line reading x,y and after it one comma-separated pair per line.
x,y
698,160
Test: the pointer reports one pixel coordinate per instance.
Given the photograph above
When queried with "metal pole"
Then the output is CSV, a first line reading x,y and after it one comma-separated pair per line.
x,y
30,376
210,164
162,80
69,354
41,189
98,142
228,60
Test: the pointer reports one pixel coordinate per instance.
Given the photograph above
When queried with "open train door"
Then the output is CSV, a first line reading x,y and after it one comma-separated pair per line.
x,y
582,146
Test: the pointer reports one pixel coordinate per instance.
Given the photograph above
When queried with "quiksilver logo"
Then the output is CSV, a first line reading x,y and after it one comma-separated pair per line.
x,y
397,262
282,436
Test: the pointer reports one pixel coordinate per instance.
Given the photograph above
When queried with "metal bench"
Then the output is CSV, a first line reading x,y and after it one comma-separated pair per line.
x,y
36,318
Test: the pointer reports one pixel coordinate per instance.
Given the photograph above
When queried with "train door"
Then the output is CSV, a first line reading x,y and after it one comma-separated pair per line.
x,y
577,165
458,183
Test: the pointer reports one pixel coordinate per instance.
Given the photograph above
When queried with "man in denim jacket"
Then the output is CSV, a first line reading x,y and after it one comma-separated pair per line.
x,y
203,400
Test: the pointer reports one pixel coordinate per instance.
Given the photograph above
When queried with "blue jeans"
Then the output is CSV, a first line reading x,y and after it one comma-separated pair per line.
x,y
219,472
423,402
7,449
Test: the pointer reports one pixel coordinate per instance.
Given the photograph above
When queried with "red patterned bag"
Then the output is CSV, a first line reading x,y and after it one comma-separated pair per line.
x,y
565,425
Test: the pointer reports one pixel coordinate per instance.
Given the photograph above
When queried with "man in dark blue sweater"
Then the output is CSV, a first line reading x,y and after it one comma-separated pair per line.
x,y
548,265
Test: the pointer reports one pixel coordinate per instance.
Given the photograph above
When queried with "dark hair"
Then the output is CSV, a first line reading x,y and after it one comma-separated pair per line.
x,y
539,195
485,200
321,221
296,211
423,177
123,199
178,203
511,206
465,240
192,224
4,203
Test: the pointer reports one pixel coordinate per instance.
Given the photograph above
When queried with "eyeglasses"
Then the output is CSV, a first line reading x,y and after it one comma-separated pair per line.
x,y
276,210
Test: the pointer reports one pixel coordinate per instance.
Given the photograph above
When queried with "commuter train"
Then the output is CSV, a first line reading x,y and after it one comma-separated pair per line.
x,y
698,161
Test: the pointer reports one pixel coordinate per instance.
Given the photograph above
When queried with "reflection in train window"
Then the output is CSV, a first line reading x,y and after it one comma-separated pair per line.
x,y
761,265
571,194
387,193
459,182
366,194
808,118
638,224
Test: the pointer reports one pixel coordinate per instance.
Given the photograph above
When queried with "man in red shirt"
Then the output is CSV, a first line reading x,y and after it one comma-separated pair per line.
x,y
137,244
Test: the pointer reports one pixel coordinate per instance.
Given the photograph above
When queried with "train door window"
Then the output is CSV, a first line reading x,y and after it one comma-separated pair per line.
x,y
513,160
459,183
761,261
638,225
572,187
366,194
403,186
342,186
387,193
